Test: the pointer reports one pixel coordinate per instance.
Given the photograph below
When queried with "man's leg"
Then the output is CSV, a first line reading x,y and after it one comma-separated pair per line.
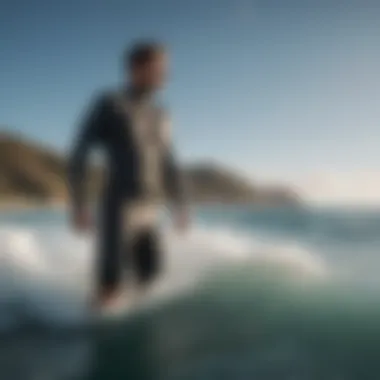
x,y
109,271
146,255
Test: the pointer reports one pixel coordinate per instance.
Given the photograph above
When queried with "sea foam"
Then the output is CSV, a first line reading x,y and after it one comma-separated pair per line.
x,y
46,273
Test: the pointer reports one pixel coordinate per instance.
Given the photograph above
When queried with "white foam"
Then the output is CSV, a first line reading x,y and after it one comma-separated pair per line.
x,y
45,274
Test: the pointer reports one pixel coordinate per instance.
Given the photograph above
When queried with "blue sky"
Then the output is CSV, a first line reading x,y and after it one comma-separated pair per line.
x,y
284,90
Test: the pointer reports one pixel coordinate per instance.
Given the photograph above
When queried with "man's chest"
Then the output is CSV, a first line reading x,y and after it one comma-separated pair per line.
x,y
143,123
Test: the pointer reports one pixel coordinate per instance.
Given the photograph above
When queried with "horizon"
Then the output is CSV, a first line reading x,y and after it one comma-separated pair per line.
x,y
318,202
286,93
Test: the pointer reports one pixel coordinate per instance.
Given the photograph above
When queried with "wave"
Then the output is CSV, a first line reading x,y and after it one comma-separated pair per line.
x,y
236,306
45,274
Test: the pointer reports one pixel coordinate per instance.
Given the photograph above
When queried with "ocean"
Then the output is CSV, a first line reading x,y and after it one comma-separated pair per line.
x,y
248,293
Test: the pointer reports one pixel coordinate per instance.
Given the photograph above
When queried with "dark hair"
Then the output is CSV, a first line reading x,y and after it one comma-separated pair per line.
x,y
141,53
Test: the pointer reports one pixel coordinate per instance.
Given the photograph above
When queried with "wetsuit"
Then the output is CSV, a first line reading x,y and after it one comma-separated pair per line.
x,y
133,132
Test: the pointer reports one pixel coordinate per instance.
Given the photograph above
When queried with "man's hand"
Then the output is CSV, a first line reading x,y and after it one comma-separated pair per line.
x,y
81,221
181,220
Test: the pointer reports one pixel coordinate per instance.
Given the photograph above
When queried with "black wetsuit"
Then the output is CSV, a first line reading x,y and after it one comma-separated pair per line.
x,y
110,126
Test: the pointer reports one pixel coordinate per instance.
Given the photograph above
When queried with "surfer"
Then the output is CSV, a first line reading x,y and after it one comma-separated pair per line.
x,y
133,130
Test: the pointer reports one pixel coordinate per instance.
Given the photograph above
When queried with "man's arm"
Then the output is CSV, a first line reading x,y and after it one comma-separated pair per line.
x,y
88,136
174,181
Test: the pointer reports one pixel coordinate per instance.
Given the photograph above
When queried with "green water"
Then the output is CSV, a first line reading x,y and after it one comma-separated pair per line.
x,y
304,307
243,327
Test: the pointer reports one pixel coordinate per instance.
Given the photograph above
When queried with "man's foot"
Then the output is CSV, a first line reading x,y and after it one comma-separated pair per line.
x,y
141,293
106,300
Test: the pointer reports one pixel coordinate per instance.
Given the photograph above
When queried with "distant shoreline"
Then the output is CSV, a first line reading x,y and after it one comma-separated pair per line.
x,y
21,205
40,181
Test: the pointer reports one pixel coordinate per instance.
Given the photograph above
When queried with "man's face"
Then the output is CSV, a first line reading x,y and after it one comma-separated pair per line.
x,y
152,75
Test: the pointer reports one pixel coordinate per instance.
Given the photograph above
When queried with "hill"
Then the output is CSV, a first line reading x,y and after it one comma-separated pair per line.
x,y
34,173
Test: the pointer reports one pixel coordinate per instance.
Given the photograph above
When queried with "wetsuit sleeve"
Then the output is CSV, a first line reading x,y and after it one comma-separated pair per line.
x,y
89,134
174,180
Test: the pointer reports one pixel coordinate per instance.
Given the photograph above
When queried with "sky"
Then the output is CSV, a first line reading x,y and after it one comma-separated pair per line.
x,y
286,91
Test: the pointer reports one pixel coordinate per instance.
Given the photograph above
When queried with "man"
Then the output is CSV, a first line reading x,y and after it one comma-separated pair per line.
x,y
133,131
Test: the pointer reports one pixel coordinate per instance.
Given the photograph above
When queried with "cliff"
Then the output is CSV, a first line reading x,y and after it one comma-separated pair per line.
x,y
34,173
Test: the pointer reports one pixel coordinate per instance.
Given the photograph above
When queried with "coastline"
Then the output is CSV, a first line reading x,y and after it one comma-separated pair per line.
x,y
21,205
30,205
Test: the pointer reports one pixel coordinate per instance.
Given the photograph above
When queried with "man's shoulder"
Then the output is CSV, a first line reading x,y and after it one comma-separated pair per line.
x,y
114,97
108,100
107,95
